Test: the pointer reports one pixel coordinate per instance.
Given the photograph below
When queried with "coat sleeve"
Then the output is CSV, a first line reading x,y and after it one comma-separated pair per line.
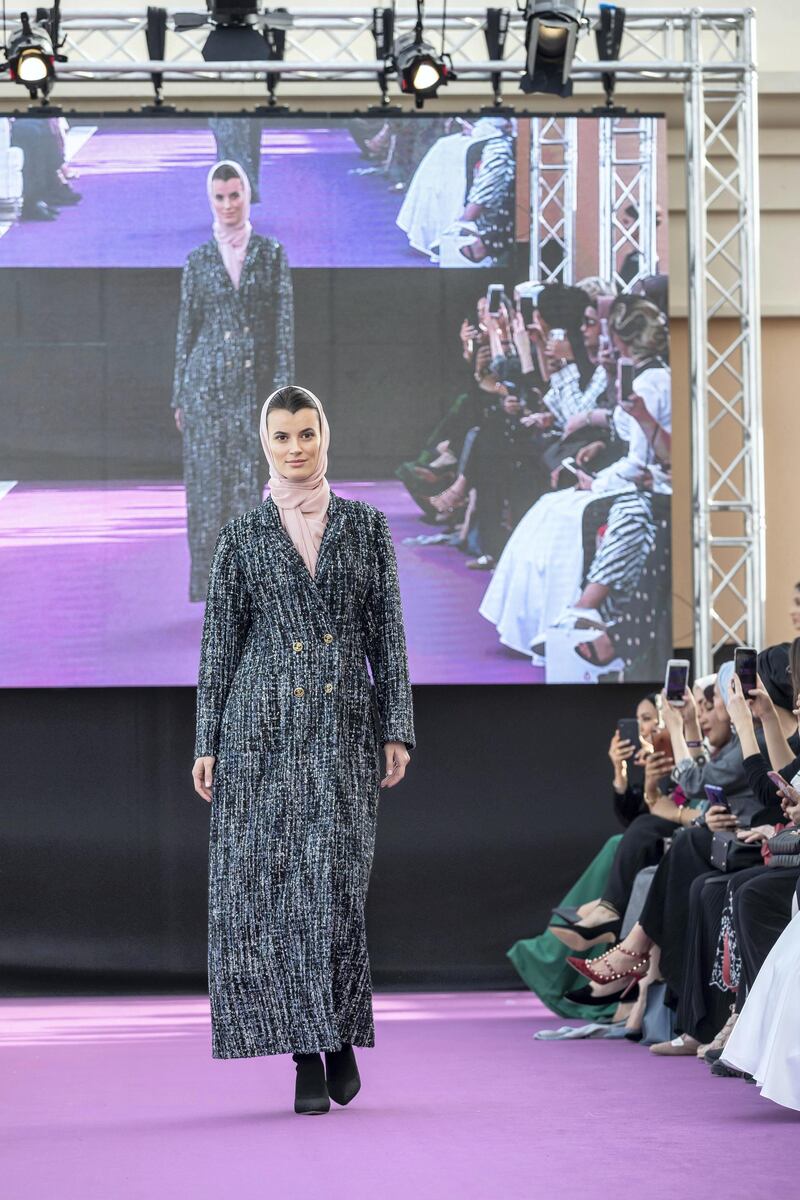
x,y
283,341
225,628
386,642
188,325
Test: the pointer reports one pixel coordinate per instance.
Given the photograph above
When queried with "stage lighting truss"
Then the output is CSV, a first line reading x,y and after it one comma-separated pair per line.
x,y
708,55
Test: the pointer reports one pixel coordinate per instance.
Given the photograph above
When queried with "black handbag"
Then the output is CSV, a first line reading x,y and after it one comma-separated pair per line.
x,y
784,848
729,854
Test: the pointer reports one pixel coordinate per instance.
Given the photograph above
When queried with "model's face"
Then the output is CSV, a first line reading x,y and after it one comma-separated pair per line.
x,y
294,441
590,329
227,196
794,612
647,716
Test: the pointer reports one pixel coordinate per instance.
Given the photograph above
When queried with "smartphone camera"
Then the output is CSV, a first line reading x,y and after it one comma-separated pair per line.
x,y
745,664
676,681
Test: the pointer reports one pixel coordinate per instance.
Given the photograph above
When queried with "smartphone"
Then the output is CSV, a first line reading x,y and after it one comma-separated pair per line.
x,y
526,309
494,298
557,335
624,378
661,742
676,680
716,796
604,341
745,664
569,464
628,729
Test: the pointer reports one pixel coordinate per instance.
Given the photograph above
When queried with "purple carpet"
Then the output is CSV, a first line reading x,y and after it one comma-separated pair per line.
x,y
144,202
119,1099
95,591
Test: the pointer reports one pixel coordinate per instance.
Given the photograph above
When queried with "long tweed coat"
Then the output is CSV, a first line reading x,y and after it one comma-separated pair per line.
x,y
233,347
285,703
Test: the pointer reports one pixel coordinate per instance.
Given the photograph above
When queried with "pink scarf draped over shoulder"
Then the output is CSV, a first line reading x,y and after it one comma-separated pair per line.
x,y
302,503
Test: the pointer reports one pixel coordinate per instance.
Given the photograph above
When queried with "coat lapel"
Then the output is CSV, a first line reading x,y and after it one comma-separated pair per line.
x,y
286,548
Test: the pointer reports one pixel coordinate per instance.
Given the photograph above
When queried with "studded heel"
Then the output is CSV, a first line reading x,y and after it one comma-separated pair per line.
x,y
631,976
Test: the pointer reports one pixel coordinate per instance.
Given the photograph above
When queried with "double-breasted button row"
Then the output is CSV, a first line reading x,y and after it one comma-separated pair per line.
x,y
298,645
300,691
228,335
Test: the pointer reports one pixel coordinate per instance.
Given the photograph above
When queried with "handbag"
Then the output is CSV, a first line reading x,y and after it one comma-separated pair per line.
x,y
784,848
729,854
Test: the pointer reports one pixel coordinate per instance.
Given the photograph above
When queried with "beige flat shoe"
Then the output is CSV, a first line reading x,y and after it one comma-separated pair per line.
x,y
679,1046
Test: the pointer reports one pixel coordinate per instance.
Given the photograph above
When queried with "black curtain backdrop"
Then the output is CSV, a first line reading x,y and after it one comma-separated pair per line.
x,y
104,850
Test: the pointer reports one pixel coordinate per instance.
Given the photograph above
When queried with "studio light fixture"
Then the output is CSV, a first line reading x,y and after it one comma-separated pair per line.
x,y
420,70
495,32
551,34
32,51
608,36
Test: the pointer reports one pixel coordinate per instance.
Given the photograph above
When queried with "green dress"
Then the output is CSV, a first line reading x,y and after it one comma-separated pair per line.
x,y
542,961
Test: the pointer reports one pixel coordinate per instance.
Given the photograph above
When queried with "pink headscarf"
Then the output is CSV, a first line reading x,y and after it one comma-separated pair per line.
x,y
231,239
302,503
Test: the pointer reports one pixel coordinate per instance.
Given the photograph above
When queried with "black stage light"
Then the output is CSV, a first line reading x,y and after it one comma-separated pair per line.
x,y
420,70
551,35
608,36
30,56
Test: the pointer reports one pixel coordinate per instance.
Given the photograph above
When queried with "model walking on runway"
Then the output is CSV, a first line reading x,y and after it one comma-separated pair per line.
x,y
301,589
235,345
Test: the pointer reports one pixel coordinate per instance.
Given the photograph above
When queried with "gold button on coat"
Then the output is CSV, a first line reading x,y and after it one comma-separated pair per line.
x,y
327,638
248,362
298,691
328,687
297,646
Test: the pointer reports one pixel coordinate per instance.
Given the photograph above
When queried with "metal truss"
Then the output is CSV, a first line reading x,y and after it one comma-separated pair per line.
x,y
552,236
627,209
709,55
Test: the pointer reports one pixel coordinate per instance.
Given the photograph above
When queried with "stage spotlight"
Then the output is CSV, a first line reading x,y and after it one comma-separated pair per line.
x,y
30,56
420,70
551,35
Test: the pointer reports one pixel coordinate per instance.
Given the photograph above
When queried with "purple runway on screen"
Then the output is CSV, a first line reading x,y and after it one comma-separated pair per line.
x,y
133,180
95,591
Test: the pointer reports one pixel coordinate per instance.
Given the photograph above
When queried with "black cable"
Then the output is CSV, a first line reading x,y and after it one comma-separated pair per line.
x,y
444,19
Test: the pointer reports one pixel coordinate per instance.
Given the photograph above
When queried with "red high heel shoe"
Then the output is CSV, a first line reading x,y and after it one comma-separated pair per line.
x,y
584,967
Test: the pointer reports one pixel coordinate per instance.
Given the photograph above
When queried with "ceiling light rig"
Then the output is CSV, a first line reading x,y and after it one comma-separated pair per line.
x,y
32,50
420,70
551,35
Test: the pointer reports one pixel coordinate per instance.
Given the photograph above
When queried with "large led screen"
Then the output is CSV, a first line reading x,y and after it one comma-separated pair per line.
x,y
479,302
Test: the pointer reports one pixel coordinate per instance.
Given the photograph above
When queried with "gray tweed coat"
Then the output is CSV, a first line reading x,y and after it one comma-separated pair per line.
x,y
285,703
233,347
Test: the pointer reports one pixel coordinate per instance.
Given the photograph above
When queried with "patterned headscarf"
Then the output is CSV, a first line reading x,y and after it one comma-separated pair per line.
x,y
302,503
231,239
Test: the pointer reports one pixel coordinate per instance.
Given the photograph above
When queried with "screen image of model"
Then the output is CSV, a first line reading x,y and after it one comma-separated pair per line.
x,y
481,304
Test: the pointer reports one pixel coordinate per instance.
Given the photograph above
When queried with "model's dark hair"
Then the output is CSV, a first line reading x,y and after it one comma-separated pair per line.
x,y
225,172
292,399
651,698
794,668
563,307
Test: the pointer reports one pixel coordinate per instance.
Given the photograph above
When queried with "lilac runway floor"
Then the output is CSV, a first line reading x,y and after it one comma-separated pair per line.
x,y
119,1099
134,183
95,585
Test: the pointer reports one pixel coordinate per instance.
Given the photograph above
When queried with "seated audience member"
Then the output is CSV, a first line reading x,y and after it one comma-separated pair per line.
x,y
541,961
657,943
539,582
642,844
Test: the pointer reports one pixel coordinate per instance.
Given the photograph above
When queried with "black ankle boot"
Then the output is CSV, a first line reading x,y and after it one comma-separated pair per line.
x,y
310,1093
341,1073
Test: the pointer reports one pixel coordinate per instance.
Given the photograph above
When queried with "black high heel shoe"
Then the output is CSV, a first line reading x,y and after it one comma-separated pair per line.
x,y
341,1073
310,1094
583,937
585,995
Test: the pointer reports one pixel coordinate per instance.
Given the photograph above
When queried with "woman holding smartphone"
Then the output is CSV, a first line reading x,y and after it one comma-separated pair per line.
x,y
303,590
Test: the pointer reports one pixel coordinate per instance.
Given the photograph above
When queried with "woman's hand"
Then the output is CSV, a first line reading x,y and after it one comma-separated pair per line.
x,y
203,776
587,453
656,767
738,706
539,420
619,751
760,701
469,336
635,407
585,481
758,833
719,817
179,419
397,759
